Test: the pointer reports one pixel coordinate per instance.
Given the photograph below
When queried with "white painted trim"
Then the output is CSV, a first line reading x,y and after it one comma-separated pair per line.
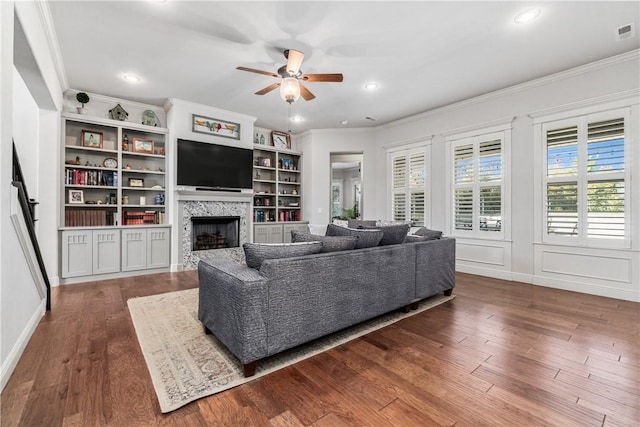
x,y
587,288
194,107
52,40
22,232
521,277
600,103
408,143
497,125
633,55
484,271
16,352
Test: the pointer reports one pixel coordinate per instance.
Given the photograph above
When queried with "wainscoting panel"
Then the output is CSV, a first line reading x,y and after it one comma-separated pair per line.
x,y
490,258
606,272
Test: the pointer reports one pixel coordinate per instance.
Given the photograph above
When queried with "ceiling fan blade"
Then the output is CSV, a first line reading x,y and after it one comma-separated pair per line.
x,y
305,93
267,89
253,70
294,61
322,77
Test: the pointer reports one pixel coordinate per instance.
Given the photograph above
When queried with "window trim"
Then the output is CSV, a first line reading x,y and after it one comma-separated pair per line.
x,y
407,150
480,134
581,118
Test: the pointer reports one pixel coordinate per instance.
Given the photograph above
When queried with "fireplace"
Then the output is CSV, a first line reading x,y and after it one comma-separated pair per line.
x,y
215,232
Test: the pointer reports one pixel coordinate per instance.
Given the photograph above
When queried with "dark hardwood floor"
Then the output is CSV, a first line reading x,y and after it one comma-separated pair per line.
x,y
500,354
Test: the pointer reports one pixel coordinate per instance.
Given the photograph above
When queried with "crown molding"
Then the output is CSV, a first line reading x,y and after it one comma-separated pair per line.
x,y
194,107
52,40
409,143
633,55
111,100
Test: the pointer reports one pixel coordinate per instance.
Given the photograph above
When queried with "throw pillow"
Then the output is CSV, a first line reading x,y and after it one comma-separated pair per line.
x,y
412,238
367,238
360,223
256,253
329,243
432,234
393,234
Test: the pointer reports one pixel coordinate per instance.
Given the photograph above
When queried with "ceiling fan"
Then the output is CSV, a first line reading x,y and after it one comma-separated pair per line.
x,y
291,87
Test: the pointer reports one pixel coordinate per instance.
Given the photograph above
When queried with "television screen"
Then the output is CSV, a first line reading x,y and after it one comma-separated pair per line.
x,y
214,166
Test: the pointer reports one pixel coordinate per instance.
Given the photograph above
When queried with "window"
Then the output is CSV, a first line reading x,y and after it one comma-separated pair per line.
x,y
409,185
585,186
477,181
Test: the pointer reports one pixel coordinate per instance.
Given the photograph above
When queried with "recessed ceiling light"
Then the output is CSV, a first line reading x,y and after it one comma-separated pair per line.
x,y
131,78
296,119
370,119
344,122
371,86
526,16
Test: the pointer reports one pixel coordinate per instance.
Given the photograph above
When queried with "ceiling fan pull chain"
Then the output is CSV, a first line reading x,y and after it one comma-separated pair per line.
x,y
289,121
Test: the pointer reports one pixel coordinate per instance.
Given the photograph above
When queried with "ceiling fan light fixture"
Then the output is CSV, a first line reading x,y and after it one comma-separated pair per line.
x,y
289,89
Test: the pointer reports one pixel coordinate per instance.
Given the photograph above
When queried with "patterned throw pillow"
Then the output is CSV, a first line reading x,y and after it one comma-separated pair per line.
x,y
366,238
256,253
393,234
329,243
431,234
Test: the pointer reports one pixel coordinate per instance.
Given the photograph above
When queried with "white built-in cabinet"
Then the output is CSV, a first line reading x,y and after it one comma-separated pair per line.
x,y
113,198
88,252
277,233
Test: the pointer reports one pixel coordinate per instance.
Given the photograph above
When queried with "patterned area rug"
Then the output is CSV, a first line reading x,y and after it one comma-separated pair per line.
x,y
185,364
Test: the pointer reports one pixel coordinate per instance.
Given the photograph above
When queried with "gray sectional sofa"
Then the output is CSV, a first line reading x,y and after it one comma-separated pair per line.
x,y
290,301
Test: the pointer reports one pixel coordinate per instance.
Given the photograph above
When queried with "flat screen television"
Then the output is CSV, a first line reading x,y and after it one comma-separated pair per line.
x,y
213,166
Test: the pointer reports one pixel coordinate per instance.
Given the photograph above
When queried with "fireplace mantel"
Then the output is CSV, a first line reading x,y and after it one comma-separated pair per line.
x,y
187,195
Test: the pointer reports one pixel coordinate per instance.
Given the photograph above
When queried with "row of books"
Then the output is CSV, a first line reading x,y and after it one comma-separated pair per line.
x,y
89,217
91,177
285,216
142,217
262,216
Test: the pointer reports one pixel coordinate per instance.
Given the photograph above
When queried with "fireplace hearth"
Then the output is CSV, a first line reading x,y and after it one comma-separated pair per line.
x,y
215,232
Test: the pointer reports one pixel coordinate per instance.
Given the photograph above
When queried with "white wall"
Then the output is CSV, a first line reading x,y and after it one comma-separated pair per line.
x,y
317,145
179,122
20,304
518,258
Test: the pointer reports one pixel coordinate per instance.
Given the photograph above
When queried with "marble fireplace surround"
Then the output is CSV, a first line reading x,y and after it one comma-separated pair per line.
x,y
202,204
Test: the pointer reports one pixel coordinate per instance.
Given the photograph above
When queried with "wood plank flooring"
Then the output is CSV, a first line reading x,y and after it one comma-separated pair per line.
x,y
500,354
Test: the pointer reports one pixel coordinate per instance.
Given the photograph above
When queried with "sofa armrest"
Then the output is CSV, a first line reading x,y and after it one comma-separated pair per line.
x,y
435,266
233,306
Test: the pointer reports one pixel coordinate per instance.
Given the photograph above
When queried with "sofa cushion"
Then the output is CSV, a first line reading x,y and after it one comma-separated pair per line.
x,y
412,238
425,232
360,223
393,234
329,243
367,238
256,253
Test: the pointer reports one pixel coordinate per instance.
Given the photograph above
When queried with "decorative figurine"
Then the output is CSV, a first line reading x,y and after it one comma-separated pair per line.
x,y
118,113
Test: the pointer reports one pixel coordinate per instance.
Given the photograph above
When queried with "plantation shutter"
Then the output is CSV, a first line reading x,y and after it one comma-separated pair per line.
x,y
562,184
408,186
605,179
585,182
417,182
463,179
398,188
490,174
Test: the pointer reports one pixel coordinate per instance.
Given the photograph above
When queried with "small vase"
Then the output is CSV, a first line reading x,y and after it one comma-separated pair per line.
x,y
82,110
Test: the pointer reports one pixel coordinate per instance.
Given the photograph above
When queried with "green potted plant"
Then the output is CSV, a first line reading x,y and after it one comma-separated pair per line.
x,y
82,98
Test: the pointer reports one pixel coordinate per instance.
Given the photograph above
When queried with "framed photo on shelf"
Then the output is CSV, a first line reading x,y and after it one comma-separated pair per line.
x,y
136,182
76,197
91,139
211,126
141,145
280,139
264,162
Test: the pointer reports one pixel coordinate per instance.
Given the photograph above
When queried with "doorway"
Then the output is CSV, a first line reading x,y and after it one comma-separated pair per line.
x,y
346,185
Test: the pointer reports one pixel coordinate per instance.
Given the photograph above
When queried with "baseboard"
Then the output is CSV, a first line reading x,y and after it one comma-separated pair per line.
x,y
54,281
521,277
14,355
481,271
587,288
176,268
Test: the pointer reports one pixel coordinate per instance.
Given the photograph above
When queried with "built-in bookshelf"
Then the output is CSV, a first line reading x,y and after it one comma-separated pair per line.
x,y
114,173
277,185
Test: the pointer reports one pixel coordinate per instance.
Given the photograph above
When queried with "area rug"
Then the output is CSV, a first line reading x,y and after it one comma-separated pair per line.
x,y
185,364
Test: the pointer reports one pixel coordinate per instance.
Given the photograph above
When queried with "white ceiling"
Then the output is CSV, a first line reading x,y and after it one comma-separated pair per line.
x,y
423,54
